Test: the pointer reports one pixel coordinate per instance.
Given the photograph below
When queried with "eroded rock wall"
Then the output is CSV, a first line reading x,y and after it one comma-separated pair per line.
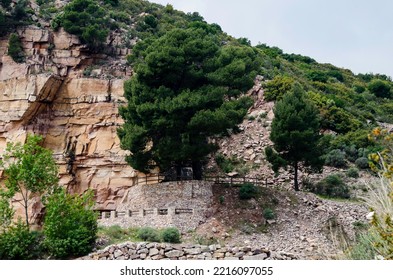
x,y
53,94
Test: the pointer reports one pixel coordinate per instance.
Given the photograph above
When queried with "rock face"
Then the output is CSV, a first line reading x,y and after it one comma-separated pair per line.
x,y
71,97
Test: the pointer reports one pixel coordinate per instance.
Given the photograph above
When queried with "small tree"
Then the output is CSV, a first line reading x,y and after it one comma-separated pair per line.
x,y
70,225
295,134
29,170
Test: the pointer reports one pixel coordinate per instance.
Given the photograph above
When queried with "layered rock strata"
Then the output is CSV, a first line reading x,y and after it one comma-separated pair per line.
x,y
71,97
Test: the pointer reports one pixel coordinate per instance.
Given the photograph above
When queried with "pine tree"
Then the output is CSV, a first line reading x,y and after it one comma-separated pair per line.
x,y
185,90
295,134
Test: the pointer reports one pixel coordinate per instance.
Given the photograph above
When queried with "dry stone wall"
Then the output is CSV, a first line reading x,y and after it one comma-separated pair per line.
x,y
160,251
183,205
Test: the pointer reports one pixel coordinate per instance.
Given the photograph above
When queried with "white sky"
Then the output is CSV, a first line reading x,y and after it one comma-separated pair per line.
x,y
354,34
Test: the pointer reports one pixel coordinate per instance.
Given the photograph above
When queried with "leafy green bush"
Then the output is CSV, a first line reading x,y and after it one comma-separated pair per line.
x,y
225,163
269,214
353,172
275,89
171,235
362,163
335,158
148,234
18,243
332,186
248,191
70,225
380,88
15,49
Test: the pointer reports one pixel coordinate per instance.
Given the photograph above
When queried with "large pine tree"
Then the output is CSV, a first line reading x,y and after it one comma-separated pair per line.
x,y
185,90
295,134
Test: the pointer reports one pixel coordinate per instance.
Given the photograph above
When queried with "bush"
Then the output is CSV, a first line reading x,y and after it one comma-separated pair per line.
x,y
335,158
332,186
275,89
380,88
15,49
18,243
148,234
269,214
70,225
362,163
171,235
353,172
248,191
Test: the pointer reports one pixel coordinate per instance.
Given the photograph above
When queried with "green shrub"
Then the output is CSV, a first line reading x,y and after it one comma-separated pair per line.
x,y
221,199
70,225
335,158
18,243
148,234
380,88
226,165
353,172
269,214
171,235
248,191
15,49
362,163
275,89
332,186
364,248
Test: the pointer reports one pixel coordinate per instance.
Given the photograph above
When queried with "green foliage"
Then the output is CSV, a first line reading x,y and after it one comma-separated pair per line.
x,y
148,234
362,163
70,225
170,235
335,158
276,88
331,186
269,214
353,172
15,49
29,170
87,20
295,132
224,163
6,4
176,100
364,247
6,212
18,243
380,88
248,191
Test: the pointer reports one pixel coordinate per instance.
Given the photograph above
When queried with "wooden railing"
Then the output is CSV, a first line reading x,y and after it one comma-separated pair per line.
x,y
222,180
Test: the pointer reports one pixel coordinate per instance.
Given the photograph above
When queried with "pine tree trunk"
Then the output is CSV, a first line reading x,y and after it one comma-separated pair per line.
x,y
197,170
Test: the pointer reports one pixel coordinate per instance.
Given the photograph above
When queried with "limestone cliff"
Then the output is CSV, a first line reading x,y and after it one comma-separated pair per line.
x,y
54,94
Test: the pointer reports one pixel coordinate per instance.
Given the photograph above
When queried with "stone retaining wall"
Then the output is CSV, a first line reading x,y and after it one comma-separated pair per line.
x,y
159,251
183,205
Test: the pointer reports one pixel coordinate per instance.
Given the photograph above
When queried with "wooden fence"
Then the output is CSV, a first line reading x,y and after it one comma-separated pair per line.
x,y
222,180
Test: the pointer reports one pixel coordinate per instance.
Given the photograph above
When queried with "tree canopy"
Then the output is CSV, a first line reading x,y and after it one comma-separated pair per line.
x,y
295,134
87,20
185,90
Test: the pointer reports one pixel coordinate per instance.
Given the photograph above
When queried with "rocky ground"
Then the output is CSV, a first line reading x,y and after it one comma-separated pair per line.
x,y
305,226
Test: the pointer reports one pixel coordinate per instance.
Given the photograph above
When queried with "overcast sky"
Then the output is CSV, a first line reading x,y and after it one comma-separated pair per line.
x,y
353,34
